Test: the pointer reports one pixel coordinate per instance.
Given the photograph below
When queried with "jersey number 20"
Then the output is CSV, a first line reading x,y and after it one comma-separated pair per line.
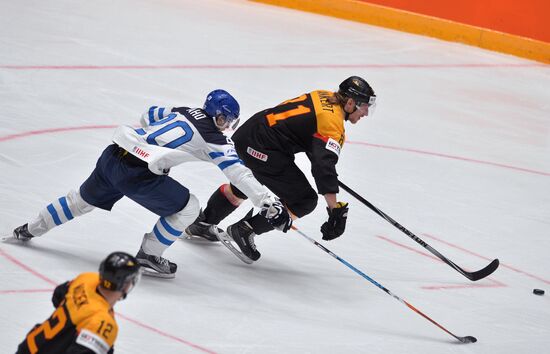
x,y
186,133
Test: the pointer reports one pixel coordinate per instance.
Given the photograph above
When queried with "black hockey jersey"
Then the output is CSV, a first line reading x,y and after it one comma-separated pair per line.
x,y
308,123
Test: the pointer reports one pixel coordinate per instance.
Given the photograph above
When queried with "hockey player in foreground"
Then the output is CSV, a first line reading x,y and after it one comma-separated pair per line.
x,y
83,321
312,123
137,166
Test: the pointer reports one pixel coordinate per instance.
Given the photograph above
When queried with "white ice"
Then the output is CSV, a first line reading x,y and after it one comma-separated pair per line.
x,y
458,152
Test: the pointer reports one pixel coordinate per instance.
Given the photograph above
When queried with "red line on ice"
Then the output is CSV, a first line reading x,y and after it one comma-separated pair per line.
x,y
91,127
18,291
409,248
26,267
495,284
53,130
269,66
451,157
480,256
164,334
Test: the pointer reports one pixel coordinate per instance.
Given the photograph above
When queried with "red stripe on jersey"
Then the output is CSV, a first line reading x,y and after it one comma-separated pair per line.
x,y
319,136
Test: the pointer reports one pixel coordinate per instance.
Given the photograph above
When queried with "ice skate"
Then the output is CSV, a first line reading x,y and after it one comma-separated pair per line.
x,y
202,230
243,235
227,241
156,266
20,233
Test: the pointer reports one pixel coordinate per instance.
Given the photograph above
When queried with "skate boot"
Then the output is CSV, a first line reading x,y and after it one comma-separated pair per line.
x,y
242,233
199,228
22,233
156,266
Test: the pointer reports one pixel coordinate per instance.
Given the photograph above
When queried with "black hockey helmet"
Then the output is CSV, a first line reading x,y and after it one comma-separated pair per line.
x,y
118,270
358,89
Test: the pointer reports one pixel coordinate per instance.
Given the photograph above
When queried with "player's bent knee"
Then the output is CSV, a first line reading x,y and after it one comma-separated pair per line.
x,y
233,194
187,215
77,205
304,206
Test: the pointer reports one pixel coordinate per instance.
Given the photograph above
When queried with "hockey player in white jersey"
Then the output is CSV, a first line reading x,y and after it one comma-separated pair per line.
x,y
137,165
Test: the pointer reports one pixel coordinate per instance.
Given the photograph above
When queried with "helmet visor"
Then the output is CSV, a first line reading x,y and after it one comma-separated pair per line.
x,y
131,282
367,108
234,122
227,121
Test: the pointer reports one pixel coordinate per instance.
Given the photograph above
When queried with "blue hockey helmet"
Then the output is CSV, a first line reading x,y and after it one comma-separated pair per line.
x,y
223,108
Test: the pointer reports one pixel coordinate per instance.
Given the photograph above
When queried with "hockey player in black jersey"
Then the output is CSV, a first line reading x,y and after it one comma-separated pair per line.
x,y
312,123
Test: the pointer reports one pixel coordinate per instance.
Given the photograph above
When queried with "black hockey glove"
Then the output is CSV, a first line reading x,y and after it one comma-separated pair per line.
x,y
277,215
336,223
59,293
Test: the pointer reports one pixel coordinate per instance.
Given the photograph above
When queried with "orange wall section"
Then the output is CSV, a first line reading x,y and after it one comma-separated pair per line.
x,y
366,11
527,18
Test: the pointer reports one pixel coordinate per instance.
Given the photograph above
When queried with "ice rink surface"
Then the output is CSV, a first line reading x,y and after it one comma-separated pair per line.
x,y
458,152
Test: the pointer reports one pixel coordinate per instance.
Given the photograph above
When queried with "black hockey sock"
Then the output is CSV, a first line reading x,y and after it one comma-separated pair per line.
x,y
218,208
260,224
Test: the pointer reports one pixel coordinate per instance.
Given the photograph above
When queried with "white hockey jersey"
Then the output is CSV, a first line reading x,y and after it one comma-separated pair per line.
x,y
169,137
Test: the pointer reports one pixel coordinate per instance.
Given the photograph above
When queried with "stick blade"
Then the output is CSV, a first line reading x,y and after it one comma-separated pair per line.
x,y
482,273
467,339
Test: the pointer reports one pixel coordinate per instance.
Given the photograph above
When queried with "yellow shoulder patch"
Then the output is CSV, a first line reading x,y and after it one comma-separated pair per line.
x,y
330,117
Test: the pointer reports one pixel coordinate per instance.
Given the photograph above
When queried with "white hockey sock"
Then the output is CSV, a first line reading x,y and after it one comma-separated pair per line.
x,y
168,229
59,212
158,240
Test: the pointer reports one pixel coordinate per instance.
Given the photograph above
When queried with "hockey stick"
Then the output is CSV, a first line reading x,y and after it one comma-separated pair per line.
x,y
473,276
466,339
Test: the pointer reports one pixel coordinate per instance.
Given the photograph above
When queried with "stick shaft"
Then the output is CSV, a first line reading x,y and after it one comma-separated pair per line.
x,y
356,270
473,276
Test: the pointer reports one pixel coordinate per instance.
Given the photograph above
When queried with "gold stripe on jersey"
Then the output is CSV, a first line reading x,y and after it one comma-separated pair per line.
x,y
330,122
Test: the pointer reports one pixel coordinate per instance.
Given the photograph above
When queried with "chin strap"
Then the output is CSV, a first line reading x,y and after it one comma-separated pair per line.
x,y
346,116
215,119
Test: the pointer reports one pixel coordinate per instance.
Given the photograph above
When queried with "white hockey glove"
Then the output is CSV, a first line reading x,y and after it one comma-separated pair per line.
x,y
277,215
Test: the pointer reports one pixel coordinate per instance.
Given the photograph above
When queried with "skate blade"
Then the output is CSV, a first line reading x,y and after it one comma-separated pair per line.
x,y
8,239
151,273
12,240
225,239
197,239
